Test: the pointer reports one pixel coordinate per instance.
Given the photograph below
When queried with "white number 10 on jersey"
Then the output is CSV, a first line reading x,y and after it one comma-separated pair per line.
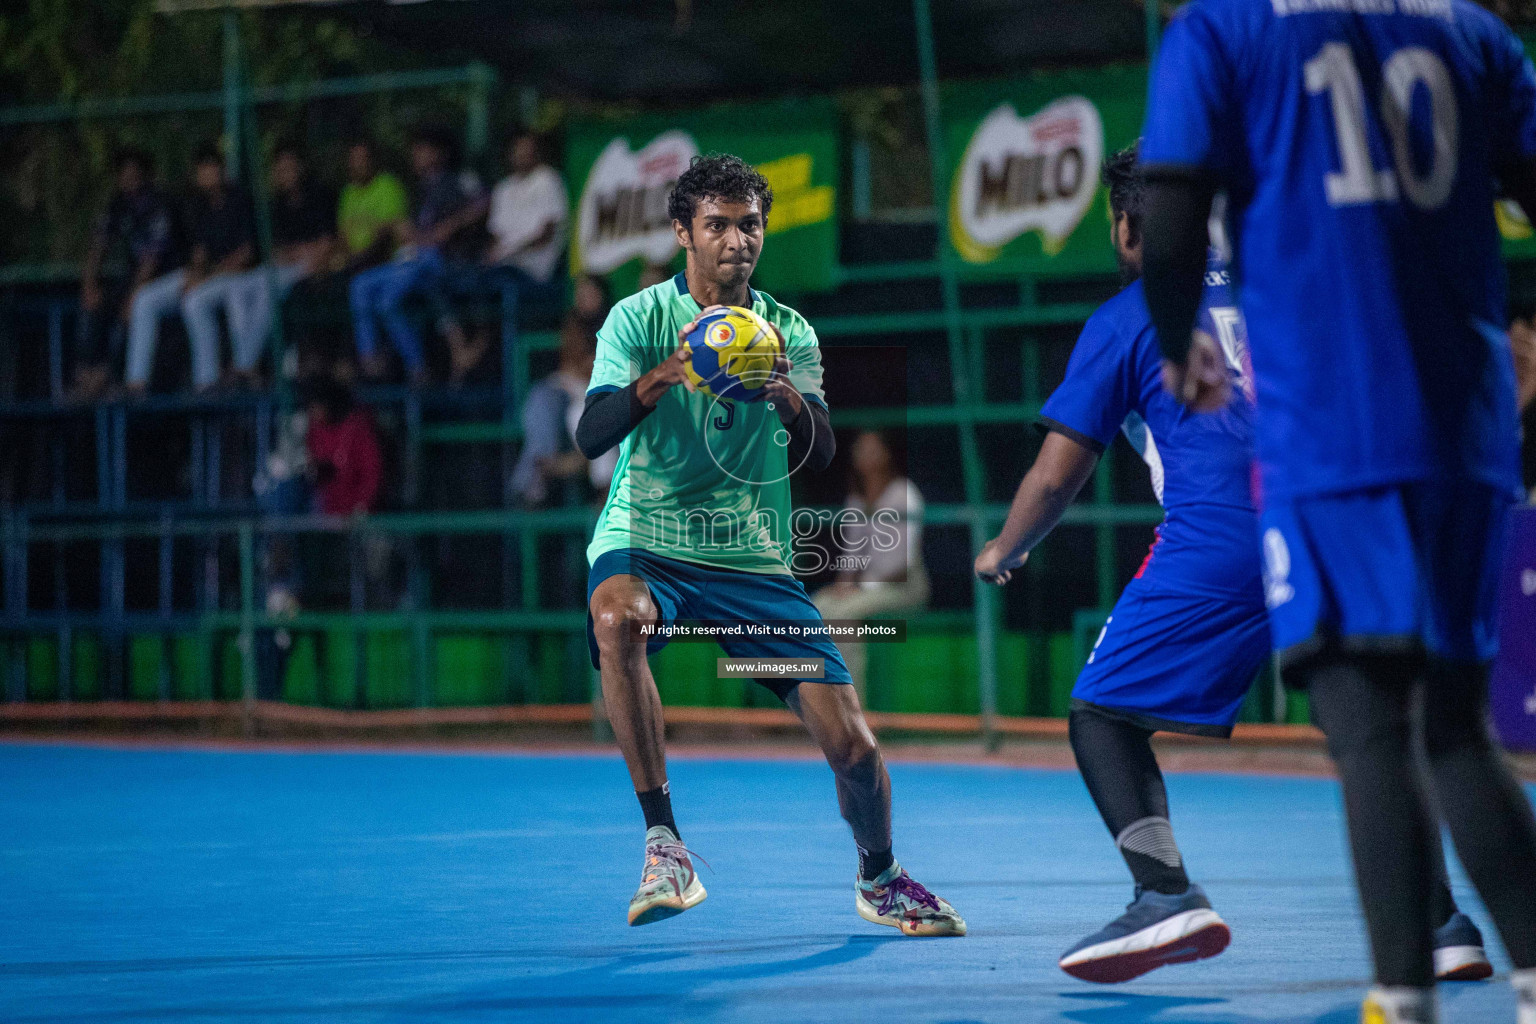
x,y
1333,71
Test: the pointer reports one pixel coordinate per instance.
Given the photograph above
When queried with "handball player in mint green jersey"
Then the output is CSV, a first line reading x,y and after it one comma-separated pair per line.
x,y
696,528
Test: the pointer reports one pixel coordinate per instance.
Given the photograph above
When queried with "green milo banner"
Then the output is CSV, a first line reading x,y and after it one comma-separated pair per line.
x,y
1024,157
621,170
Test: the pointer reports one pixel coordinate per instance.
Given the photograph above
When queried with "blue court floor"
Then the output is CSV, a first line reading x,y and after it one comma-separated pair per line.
x,y
200,886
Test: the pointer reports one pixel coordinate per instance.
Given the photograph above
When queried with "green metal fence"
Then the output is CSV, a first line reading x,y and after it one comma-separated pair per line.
x,y
967,337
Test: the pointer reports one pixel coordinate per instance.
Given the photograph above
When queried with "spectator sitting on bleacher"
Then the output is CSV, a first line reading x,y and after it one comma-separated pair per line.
x,y
372,203
526,222
447,202
527,219
137,232
884,529
554,405
302,237
345,460
223,240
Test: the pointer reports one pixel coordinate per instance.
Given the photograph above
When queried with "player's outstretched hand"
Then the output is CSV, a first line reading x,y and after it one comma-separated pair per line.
x,y
993,565
1202,382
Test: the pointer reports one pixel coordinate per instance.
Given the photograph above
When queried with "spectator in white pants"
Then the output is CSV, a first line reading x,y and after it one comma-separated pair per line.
x,y
223,243
303,237
878,542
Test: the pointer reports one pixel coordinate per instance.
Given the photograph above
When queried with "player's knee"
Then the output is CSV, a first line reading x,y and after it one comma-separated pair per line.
x,y
853,755
616,622
1362,707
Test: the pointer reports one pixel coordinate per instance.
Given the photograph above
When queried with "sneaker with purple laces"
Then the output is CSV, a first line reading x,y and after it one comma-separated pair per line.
x,y
896,900
669,885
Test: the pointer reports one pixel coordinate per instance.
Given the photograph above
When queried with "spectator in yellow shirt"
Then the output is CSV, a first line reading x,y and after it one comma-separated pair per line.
x,y
372,203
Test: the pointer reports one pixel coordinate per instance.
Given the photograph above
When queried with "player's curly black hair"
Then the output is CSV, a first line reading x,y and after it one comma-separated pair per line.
x,y
1127,187
717,176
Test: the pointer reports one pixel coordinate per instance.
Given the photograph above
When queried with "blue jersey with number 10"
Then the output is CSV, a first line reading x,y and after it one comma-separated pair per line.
x,y
1358,142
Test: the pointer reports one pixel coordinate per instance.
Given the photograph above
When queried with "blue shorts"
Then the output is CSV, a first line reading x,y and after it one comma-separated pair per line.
x,y
1408,569
684,590
1174,661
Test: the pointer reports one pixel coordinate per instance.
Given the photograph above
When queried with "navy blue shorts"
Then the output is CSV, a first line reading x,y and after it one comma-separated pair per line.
x,y
684,590
1409,569
1174,661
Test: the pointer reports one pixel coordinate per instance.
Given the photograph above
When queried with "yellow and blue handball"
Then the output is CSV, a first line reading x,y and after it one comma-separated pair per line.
x,y
733,350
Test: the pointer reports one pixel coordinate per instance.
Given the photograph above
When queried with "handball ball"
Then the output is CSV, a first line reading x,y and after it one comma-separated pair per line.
x,y
733,353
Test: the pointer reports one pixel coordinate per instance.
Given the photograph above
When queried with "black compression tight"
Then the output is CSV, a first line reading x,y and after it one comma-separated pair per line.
x,y
1116,761
1365,706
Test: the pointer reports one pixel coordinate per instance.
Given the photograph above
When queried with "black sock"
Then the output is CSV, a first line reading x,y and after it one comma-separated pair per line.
x,y
873,863
656,805
1116,761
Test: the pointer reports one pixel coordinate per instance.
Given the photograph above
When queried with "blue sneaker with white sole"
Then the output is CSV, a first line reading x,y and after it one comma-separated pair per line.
x,y
1155,930
1459,954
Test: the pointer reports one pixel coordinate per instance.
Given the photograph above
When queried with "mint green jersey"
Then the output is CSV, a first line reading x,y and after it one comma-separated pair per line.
x,y
701,479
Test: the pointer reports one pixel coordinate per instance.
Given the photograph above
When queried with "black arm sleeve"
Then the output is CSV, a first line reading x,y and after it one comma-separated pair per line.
x,y
811,442
607,419
1174,241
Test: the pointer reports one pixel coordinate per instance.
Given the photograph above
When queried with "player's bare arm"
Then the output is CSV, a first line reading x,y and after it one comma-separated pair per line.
x,y
1059,473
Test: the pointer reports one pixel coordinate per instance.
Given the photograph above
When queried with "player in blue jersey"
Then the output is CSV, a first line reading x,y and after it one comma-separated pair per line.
x,y
1190,633
1361,144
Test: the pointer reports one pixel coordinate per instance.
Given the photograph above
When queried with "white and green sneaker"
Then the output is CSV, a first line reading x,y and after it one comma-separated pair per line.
x,y
1399,1005
1525,995
669,885
894,899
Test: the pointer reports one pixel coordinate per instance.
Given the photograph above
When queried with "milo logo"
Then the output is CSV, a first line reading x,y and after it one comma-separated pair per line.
x,y
623,209
1021,174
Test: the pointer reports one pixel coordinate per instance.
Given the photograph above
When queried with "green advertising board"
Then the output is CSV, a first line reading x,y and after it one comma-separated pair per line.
x,y
1023,158
621,171
1519,239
